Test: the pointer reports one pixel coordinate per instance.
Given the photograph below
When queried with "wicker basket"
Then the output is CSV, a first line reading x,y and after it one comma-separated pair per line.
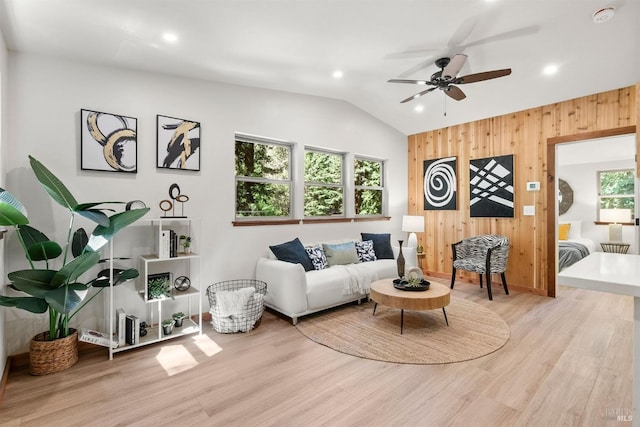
x,y
251,313
48,357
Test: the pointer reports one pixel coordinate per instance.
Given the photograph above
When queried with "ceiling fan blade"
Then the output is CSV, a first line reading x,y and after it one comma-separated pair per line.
x,y
455,93
415,82
478,77
453,67
418,95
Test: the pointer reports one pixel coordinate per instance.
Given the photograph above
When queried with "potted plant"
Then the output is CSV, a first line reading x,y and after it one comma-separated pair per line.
x,y
185,241
167,326
60,292
178,318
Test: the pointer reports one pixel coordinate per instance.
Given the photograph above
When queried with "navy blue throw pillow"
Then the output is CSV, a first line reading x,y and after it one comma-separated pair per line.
x,y
293,252
381,244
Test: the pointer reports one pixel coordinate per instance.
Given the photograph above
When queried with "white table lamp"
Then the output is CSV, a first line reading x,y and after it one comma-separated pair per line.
x,y
615,217
412,224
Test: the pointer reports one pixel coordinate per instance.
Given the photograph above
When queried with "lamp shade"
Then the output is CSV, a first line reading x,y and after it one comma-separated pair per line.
x,y
615,215
412,224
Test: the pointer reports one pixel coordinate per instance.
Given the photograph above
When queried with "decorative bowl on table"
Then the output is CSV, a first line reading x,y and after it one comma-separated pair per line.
x,y
411,285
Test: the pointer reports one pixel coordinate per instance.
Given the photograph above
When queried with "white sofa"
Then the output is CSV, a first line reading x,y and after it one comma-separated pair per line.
x,y
295,293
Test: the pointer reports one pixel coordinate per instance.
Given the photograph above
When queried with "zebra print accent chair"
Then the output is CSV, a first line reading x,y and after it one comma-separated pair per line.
x,y
485,254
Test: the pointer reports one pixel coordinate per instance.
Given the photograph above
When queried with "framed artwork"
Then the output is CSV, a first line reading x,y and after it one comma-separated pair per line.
x,y
159,286
178,145
440,184
491,187
108,142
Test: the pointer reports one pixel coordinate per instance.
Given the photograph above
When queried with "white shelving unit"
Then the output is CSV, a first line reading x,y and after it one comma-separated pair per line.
x,y
184,264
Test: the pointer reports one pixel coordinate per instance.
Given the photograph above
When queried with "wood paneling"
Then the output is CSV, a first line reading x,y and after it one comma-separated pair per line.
x,y
525,135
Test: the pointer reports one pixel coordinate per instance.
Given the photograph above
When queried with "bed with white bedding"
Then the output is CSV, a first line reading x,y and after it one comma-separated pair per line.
x,y
575,247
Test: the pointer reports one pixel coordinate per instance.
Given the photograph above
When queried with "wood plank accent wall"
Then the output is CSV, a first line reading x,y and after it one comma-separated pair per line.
x,y
523,134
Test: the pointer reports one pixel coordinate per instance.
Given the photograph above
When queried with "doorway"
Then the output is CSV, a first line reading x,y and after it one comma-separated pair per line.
x,y
552,198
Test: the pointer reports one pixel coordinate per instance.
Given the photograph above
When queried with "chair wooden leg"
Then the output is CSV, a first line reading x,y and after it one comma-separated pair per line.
x,y
481,281
453,277
504,284
489,286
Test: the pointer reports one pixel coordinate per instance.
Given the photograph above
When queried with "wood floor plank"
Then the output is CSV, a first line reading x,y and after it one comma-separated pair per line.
x,y
567,362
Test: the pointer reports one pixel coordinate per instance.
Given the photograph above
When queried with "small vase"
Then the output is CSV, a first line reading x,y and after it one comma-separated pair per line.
x,y
400,261
178,321
167,329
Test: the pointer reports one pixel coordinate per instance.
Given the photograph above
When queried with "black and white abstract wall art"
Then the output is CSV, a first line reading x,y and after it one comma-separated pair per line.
x,y
440,184
491,187
108,142
178,144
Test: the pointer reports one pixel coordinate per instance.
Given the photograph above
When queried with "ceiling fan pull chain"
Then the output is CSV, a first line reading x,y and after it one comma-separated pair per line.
x,y
445,106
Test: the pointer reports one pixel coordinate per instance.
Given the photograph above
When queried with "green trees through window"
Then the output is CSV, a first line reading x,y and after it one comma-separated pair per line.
x,y
323,184
263,179
368,186
617,190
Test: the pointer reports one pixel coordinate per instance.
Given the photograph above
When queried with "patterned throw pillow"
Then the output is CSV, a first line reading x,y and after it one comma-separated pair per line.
x,y
317,256
365,251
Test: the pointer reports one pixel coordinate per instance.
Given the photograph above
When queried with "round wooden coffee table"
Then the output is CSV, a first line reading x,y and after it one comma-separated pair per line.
x,y
383,292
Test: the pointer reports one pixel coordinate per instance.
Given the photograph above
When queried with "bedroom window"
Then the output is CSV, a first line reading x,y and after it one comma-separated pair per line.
x,y
369,186
263,178
616,195
323,183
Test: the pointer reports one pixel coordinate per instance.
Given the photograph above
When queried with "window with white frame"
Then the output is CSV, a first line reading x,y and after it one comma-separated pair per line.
x,y
616,195
323,183
263,177
369,186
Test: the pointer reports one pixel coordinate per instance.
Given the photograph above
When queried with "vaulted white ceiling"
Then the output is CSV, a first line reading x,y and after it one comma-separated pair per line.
x,y
296,45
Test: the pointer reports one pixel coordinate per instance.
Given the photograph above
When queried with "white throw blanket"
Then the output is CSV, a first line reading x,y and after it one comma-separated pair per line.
x,y
360,278
233,302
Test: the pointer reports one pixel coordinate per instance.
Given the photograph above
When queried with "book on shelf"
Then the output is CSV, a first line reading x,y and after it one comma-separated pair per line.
x,y
173,250
97,337
132,329
120,325
164,244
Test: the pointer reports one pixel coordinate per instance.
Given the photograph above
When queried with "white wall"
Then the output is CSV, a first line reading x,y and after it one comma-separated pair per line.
x,y
46,96
3,137
583,179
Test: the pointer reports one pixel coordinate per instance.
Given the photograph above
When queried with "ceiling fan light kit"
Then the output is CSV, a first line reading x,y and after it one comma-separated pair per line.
x,y
446,79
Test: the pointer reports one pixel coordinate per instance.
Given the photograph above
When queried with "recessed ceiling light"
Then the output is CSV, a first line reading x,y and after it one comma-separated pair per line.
x,y
550,69
170,37
337,74
418,108
603,15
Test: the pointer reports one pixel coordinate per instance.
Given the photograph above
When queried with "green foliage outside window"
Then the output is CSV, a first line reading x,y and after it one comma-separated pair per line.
x,y
368,182
263,188
323,191
617,189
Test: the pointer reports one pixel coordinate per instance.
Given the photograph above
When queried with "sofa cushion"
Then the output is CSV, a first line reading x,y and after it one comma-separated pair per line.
x,y
381,244
317,256
340,254
365,251
293,252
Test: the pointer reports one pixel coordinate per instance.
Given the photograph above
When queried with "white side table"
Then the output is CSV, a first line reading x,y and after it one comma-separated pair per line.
x,y
618,274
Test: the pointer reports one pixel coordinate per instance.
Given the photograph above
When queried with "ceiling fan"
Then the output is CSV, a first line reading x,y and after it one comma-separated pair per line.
x,y
445,79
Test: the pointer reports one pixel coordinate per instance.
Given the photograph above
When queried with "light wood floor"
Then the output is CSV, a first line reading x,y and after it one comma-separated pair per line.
x,y
568,362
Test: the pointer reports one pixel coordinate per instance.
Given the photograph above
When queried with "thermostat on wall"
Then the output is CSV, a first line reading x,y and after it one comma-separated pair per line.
x,y
533,186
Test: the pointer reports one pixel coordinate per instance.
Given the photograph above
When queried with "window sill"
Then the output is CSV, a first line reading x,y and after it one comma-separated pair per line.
x,y
609,223
254,223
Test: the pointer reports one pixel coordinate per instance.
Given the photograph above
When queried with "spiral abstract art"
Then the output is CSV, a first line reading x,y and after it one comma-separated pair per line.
x,y
440,184
108,142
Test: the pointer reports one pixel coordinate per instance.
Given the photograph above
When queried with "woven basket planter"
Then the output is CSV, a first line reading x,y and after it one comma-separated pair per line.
x,y
48,357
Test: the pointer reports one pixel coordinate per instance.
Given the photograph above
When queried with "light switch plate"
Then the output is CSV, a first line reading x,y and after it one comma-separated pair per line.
x,y
529,210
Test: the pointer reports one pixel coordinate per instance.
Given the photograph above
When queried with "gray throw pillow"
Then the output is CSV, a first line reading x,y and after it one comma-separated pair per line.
x,y
340,254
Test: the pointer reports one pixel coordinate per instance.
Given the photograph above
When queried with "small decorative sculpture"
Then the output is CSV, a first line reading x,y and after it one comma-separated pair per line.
x,y
167,205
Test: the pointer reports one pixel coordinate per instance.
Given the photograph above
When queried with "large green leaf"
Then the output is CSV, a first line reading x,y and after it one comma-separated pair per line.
x,y
44,251
65,299
31,236
101,235
11,210
76,268
56,189
95,215
33,282
79,242
34,305
119,276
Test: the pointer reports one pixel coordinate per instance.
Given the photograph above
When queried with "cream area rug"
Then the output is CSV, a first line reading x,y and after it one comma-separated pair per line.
x,y
474,331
